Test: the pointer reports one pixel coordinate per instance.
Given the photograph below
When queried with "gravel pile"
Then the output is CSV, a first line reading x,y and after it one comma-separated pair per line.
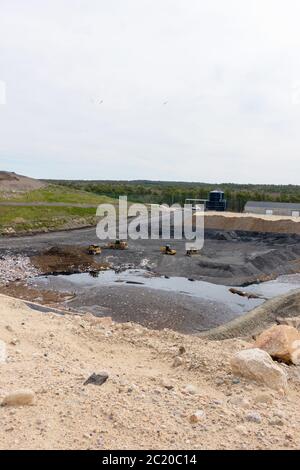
x,y
16,268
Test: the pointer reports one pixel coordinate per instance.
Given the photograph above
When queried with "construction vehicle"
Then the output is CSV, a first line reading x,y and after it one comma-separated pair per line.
x,y
192,251
167,250
118,245
94,250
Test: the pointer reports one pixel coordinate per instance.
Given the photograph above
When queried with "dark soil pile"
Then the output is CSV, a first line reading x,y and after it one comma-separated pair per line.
x,y
67,260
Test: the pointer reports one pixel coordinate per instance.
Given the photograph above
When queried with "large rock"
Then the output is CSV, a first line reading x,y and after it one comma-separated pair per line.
x,y
282,342
257,365
3,354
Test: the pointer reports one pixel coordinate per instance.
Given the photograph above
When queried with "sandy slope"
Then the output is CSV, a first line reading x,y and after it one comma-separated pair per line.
x,y
53,355
252,222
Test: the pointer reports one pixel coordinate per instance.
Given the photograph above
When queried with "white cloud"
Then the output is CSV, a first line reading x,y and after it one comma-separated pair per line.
x,y
151,89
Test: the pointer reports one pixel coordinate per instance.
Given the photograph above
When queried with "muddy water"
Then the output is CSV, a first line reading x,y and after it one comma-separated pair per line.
x,y
281,285
140,279
161,302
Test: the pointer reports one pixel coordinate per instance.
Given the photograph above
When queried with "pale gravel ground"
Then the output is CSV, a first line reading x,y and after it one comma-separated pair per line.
x,y
53,355
16,268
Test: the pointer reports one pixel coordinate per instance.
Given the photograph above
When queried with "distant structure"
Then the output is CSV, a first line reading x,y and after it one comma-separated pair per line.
x,y
196,203
216,201
273,208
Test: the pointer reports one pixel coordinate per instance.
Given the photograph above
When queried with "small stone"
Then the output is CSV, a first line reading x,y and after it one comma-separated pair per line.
x,y
167,384
239,401
276,422
219,382
263,398
190,389
217,402
279,414
199,415
19,398
14,342
178,361
253,417
97,379
241,430
236,381
126,326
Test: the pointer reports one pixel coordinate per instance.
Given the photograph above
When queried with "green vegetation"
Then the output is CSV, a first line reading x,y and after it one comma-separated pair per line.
x,y
176,192
56,193
21,219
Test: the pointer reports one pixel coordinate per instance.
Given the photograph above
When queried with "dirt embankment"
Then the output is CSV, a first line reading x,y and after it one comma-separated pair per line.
x,y
252,223
11,182
258,319
149,398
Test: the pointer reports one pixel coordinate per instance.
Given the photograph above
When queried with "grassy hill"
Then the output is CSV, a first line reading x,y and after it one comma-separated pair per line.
x,y
55,193
34,218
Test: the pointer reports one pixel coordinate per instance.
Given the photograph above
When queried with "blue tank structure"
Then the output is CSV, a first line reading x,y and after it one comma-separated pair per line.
x,y
216,201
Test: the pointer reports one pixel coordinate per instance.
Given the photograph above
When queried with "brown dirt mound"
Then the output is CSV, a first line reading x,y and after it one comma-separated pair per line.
x,y
66,259
11,182
252,223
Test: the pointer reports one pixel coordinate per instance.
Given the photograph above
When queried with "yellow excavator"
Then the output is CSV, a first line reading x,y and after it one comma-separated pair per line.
x,y
94,250
118,245
167,250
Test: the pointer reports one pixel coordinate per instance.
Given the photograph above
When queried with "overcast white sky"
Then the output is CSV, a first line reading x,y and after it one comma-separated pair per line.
x,y
152,89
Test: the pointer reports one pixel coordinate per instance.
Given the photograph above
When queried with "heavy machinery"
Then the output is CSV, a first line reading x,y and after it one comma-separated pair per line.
x,y
94,250
167,250
192,251
118,245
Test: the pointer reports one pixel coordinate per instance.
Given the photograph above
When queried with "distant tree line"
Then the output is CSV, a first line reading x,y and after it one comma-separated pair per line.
x,y
159,192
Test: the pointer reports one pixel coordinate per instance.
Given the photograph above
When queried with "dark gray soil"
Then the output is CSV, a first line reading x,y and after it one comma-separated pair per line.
x,y
154,309
229,258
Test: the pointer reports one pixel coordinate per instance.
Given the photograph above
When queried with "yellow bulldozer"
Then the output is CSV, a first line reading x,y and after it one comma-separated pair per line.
x,y
167,250
94,250
192,251
118,245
